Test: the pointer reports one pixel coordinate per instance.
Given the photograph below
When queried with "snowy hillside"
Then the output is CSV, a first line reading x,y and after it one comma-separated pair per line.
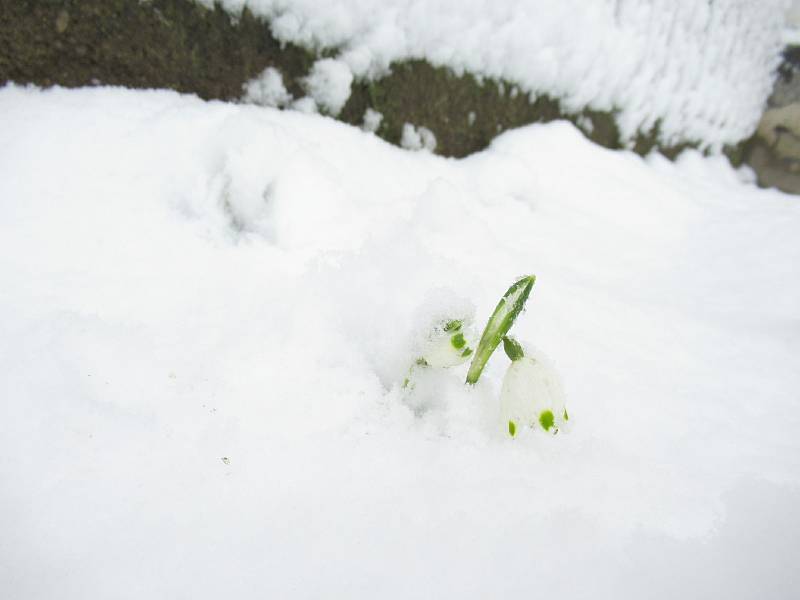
x,y
207,311
701,71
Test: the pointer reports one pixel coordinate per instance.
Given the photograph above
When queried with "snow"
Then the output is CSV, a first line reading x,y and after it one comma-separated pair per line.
x,y
702,71
417,138
207,311
793,15
267,89
306,105
791,37
329,84
372,120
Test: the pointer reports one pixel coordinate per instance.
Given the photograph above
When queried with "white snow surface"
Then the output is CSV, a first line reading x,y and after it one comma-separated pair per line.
x,y
417,138
184,282
329,84
701,70
793,15
267,89
791,35
372,120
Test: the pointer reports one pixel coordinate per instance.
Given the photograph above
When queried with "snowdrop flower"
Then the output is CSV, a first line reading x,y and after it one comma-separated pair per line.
x,y
447,345
531,395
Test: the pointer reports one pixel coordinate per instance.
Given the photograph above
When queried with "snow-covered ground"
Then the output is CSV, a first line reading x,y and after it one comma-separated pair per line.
x,y
792,33
701,71
206,314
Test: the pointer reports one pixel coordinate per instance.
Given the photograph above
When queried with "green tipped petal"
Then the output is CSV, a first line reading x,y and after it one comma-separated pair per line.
x,y
512,428
458,341
503,317
547,420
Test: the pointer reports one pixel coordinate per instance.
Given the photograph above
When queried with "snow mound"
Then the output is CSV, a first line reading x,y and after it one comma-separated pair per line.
x,y
371,121
417,138
207,311
329,84
267,90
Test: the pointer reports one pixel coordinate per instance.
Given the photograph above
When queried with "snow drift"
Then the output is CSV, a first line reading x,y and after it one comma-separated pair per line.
x,y
206,313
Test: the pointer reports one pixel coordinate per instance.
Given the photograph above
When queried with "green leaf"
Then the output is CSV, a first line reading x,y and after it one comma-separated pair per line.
x,y
503,317
513,348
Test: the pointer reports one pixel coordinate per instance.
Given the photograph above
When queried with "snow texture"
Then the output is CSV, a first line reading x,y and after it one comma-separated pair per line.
x,y
329,84
305,105
267,90
417,138
791,35
205,318
372,120
793,16
700,70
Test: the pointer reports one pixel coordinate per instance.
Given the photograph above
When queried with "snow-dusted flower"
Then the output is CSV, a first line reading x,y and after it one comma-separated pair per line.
x,y
447,345
531,395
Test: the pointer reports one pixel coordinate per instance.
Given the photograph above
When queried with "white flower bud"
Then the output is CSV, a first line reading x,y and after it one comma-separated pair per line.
x,y
532,395
447,346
